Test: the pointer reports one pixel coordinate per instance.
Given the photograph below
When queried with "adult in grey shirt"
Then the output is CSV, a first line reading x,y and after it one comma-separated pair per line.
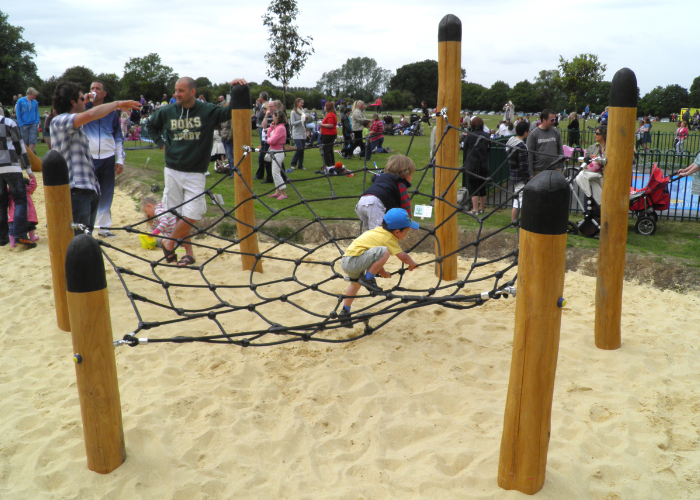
x,y
544,143
297,121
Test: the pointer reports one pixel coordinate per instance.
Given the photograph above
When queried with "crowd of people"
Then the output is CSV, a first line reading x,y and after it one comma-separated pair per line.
x,y
89,133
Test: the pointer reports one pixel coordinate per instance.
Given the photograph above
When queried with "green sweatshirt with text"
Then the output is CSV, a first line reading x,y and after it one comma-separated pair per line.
x,y
189,133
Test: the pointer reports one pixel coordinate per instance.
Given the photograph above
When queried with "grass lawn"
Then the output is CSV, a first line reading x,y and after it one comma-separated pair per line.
x,y
337,196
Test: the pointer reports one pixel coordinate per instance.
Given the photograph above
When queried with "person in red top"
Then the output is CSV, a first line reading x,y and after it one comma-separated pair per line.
x,y
376,136
329,132
681,136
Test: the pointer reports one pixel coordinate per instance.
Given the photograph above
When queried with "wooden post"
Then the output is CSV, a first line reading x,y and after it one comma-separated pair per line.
x,y
541,268
59,215
34,160
245,213
450,97
614,206
95,367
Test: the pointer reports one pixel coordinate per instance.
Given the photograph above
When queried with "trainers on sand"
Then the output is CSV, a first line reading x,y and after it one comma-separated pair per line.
x,y
370,285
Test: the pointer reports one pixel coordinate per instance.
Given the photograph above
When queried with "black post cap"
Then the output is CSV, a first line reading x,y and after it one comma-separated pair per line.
x,y
450,29
54,169
85,268
240,97
623,89
546,204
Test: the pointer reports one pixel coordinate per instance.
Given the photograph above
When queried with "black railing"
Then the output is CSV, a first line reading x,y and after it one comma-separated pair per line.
x,y
684,204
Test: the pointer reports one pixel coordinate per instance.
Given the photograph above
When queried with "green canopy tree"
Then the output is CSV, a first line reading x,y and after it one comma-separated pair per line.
x,y
524,96
289,50
471,95
147,76
548,93
17,67
578,77
420,78
694,96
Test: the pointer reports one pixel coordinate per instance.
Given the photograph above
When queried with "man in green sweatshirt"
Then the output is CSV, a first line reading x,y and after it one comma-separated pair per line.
x,y
188,128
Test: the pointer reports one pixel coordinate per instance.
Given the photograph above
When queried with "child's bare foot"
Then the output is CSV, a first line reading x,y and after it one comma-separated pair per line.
x,y
283,196
273,195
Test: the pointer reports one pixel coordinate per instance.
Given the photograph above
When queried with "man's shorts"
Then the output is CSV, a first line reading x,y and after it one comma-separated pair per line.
x,y
518,195
357,266
180,187
29,133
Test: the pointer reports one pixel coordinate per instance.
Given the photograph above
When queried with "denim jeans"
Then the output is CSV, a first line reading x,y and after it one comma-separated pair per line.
x,y
298,158
84,203
228,146
18,190
104,171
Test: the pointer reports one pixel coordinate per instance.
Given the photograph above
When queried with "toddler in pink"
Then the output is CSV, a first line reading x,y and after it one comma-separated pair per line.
x,y
32,219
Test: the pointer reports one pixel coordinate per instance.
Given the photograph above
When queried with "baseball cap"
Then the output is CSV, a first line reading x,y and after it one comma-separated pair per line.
x,y
397,218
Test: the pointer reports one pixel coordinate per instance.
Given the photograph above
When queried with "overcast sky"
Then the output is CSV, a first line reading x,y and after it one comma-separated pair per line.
x,y
509,40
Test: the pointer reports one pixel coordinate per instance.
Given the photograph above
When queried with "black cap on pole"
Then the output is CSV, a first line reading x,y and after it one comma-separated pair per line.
x,y
54,169
450,29
623,89
546,204
240,97
85,268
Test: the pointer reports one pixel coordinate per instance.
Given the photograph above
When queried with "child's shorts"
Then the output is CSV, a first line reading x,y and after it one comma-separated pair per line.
x,y
371,212
357,266
518,195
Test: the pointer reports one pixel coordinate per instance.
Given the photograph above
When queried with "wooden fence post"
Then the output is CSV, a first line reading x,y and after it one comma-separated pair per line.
x,y
614,209
541,268
93,348
450,97
243,183
59,216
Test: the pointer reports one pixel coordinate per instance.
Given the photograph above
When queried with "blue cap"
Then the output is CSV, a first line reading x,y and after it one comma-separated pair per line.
x,y
397,218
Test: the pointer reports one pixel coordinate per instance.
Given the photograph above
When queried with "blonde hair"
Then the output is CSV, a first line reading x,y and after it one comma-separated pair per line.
x,y
400,165
354,104
148,200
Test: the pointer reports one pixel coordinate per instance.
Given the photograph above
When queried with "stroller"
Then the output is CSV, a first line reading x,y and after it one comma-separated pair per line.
x,y
646,201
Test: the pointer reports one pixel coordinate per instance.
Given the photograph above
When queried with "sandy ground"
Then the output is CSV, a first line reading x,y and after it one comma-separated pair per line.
x,y
413,411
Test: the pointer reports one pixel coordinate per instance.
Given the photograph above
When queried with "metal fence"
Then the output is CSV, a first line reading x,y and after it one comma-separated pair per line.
x,y
684,204
659,140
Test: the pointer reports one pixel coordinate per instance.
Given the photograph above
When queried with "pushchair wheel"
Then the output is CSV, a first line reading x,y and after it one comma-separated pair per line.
x,y
645,226
572,229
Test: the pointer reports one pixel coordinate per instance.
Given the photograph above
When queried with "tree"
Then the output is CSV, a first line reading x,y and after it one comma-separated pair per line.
x,y
421,78
17,68
147,76
364,80
598,98
578,77
289,49
497,95
694,96
331,83
471,95
203,81
547,92
524,96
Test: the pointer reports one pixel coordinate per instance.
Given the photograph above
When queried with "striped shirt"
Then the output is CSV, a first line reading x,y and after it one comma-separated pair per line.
x,y
73,145
12,150
164,221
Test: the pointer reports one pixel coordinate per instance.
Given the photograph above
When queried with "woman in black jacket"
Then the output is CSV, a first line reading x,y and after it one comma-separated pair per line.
x,y
476,164
574,131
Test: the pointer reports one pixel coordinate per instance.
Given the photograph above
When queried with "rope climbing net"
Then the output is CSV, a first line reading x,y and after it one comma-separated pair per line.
x,y
300,294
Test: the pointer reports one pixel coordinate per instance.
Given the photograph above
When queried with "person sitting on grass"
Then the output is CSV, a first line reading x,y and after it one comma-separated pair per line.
x,y
367,254
388,190
163,225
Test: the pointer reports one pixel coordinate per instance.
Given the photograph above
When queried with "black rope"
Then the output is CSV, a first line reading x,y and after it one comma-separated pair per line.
x,y
374,311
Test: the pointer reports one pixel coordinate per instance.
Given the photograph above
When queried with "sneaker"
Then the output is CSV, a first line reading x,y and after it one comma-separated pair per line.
x,y
107,234
344,317
370,285
26,242
289,170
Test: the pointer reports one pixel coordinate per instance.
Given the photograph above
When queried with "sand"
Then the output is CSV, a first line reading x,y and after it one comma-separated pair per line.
x,y
413,411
